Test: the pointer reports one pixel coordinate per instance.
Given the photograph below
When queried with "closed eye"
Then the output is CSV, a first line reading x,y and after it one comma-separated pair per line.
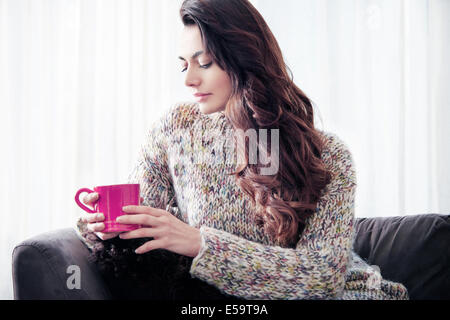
x,y
206,66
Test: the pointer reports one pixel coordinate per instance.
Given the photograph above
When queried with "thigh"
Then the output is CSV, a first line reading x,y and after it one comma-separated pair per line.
x,y
156,275
195,289
130,276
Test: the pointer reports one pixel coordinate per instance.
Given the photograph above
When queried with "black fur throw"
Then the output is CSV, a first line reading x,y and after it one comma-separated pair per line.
x,y
156,275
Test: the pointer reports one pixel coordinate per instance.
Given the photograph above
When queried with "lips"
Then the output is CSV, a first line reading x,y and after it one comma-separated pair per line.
x,y
202,98
201,94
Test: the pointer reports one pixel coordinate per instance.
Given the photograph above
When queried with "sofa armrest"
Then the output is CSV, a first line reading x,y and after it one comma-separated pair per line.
x,y
41,269
413,250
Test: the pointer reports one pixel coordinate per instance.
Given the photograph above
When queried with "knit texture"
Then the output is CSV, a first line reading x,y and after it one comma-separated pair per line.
x,y
183,167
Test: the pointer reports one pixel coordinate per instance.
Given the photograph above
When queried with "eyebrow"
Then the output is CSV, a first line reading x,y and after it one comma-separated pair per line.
x,y
194,56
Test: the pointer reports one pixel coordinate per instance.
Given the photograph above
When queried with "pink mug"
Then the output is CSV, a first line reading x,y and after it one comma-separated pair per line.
x,y
110,201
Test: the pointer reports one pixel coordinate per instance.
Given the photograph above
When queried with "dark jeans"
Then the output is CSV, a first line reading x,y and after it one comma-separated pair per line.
x,y
156,275
188,289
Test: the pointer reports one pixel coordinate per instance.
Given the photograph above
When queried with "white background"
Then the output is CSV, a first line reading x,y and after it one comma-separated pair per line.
x,y
81,80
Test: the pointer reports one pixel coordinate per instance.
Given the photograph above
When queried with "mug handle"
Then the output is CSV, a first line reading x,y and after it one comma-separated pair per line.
x,y
81,205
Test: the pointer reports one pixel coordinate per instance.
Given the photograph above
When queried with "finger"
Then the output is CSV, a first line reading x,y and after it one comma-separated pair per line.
x,y
144,210
90,198
106,236
150,245
143,219
140,233
93,217
95,227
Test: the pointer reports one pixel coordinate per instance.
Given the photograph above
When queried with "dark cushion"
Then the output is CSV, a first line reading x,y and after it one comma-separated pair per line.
x,y
412,250
41,268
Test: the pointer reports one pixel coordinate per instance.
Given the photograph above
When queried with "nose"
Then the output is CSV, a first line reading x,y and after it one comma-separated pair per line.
x,y
192,79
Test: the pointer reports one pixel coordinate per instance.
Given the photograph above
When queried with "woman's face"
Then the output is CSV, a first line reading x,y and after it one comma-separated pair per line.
x,y
208,82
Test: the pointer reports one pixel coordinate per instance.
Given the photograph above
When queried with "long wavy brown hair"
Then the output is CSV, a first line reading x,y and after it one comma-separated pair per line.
x,y
264,96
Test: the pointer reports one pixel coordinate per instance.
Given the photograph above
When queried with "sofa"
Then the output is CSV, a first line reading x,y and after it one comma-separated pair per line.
x,y
413,250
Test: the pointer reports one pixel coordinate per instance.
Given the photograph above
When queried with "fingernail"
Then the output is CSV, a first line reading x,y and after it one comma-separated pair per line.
x,y
100,216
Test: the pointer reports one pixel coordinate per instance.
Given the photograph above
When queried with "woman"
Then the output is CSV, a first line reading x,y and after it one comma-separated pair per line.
x,y
228,229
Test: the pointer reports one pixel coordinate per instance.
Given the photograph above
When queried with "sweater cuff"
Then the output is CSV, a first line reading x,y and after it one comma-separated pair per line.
x,y
217,260
201,259
87,237
204,265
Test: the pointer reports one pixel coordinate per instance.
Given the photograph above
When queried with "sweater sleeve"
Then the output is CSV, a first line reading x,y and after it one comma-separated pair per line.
x,y
150,171
314,269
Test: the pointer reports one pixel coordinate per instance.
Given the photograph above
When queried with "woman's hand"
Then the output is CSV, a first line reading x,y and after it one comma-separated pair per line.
x,y
167,231
95,220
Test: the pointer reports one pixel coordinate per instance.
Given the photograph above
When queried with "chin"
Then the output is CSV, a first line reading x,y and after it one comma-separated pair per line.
x,y
207,109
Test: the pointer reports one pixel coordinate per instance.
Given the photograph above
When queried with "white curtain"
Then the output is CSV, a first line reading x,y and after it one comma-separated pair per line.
x,y
81,80
379,72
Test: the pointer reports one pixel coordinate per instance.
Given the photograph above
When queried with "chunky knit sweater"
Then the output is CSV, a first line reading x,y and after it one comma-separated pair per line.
x,y
183,167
